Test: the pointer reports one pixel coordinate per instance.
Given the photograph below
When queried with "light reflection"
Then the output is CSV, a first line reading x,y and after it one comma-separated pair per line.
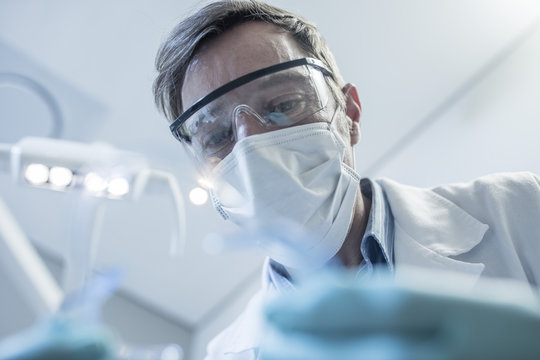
x,y
36,174
118,187
94,183
198,196
60,176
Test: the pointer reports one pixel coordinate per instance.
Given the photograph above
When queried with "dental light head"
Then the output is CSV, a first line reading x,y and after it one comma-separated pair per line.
x,y
98,172
96,169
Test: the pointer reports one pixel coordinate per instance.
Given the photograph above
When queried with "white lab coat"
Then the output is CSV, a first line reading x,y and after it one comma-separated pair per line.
x,y
487,228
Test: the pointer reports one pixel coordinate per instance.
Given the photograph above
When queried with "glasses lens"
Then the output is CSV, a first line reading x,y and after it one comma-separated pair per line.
x,y
282,99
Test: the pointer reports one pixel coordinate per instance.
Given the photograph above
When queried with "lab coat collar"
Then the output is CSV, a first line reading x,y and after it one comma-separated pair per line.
x,y
380,225
430,228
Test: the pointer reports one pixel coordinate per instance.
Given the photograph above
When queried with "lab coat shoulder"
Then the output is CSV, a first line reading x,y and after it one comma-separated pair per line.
x,y
488,227
510,204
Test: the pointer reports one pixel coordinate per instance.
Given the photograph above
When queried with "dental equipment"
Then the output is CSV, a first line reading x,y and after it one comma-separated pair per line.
x,y
96,173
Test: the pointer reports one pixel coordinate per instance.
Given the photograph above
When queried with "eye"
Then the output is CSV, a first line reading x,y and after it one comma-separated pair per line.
x,y
286,106
215,143
219,137
211,131
285,110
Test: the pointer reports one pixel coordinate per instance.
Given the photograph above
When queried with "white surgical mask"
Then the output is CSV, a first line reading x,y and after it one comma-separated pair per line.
x,y
290,176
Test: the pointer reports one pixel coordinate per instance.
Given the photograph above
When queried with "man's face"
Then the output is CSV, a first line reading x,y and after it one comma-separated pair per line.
x,y
243,49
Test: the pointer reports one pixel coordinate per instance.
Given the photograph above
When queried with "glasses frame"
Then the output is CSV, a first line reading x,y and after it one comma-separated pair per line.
x,y
244,79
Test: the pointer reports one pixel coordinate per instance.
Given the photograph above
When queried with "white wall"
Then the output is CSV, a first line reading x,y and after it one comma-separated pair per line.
x,y
493,126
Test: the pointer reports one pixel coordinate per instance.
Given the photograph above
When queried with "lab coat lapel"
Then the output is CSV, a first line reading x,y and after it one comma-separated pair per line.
x,y
429,228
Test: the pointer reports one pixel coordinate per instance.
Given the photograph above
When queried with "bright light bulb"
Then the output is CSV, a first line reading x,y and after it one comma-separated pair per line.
x,y
198,196
94,182
118,187
36,174
60,176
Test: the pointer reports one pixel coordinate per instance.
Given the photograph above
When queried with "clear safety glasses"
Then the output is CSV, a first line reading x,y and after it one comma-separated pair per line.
x,y
268,99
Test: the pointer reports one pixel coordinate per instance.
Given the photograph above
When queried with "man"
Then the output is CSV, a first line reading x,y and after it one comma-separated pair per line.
x,y
255,95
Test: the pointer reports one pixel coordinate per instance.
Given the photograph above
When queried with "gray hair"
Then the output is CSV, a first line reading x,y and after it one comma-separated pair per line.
x,y
177,51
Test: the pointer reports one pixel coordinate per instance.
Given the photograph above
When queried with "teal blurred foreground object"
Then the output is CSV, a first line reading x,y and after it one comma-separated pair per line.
x,y
57,341
336,316
74,333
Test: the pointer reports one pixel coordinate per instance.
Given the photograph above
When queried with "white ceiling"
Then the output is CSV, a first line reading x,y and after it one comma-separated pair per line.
x,y
407,59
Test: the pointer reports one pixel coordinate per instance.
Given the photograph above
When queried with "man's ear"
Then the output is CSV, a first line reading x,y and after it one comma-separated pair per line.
x,y
353,110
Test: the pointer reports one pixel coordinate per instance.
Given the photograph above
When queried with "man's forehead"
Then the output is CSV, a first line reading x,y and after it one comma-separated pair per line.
x,y
240,50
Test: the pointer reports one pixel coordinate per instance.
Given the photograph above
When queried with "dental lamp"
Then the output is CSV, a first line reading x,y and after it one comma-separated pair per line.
x,y
95,169
96,173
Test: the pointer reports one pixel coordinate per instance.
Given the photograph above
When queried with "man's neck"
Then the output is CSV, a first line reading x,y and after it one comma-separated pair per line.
x,y
350,254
